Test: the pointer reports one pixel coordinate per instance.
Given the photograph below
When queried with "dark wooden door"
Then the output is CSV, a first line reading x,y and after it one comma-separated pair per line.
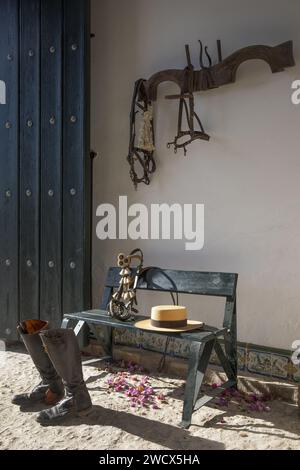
x,y
45,168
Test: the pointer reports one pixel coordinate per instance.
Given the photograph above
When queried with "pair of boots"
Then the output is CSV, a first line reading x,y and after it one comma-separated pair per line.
x,y
56,355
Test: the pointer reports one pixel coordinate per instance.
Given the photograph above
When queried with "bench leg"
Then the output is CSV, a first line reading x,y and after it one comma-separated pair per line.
x,y
224,361
231,349
230,339
198,361
78,327
65,323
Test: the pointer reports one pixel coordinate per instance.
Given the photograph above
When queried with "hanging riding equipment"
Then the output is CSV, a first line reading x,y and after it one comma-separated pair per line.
x,y
187,108
189,80
141,155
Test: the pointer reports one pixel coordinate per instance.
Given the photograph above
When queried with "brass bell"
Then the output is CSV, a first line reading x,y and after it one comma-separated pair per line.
x,y
126,296
125,272
126,280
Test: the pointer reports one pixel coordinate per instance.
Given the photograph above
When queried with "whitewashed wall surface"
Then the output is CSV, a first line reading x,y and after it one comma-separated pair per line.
x,y
248,175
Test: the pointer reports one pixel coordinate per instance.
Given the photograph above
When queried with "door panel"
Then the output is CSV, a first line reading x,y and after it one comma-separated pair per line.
x,y
9,168
29,157
51,163
45,169
76,171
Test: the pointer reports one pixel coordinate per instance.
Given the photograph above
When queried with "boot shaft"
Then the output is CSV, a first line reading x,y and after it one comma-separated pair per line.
x,y
51,389
63,349
29,331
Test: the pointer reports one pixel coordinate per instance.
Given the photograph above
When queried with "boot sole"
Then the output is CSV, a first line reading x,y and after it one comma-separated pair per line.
x,y
28,404
33,404
51,401
72,414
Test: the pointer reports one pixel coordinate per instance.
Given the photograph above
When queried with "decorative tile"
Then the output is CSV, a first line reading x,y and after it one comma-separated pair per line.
x,y
151,342
126,337
179,348
296,377
259,362
214,358
295,372
280,366
241,357
155,343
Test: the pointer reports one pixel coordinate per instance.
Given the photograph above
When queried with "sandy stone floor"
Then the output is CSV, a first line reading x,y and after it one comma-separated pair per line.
x,y
114,425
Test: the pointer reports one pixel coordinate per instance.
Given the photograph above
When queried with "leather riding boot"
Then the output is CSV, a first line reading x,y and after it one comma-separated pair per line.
x,y
63,350
50,389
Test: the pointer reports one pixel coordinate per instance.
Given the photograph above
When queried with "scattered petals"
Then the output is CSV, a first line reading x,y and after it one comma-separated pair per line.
x,y
246,402
137,390
215,385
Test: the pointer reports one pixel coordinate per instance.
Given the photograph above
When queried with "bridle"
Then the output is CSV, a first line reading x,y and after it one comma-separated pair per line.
x,y
136,155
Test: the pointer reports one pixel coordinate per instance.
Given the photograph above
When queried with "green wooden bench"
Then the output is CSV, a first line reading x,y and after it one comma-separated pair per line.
x,y
202,342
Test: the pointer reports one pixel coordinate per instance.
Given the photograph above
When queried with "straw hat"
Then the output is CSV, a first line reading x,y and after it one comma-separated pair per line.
x,y
169,318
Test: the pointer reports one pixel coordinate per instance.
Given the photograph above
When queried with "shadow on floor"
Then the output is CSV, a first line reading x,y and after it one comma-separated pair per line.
x,y
16,347
156,432
285,418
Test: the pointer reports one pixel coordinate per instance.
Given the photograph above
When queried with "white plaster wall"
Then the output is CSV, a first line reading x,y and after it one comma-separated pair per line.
x,y
248,175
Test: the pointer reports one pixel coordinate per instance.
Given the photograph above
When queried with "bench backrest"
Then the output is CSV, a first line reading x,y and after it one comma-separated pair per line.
x,y
184,282
190,282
